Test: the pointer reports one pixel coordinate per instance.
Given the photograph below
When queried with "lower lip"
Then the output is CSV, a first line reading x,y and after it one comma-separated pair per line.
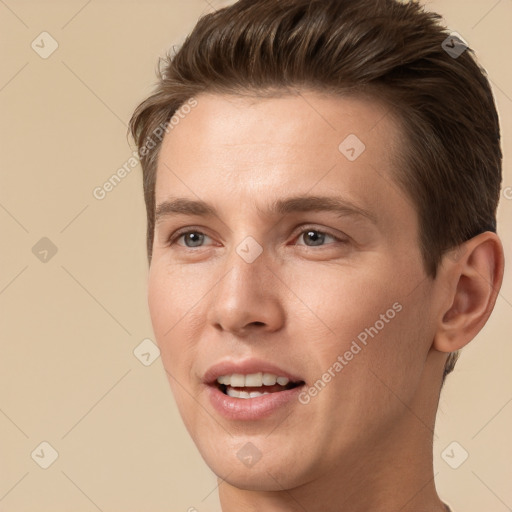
x,y
252,408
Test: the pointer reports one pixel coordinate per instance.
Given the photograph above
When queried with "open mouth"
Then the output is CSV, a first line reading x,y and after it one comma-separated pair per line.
x,y
254,385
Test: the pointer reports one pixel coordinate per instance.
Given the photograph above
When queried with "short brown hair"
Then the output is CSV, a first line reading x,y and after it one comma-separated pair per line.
x,y
450,159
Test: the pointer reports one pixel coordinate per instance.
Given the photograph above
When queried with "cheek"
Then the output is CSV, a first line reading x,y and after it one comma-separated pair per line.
x,y
374,323
169,306
348,305
160,298
394,343
169,303
172,296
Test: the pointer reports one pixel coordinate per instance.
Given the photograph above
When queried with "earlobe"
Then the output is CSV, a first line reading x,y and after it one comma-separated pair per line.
x,y
474,272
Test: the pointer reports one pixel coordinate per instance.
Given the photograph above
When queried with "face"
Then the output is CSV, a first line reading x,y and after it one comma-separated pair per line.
x,y
304,265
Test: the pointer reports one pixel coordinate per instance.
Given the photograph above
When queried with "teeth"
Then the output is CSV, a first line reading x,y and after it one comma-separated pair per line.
x,y
269,379
224,379
255,380
244,394
237,380
233,392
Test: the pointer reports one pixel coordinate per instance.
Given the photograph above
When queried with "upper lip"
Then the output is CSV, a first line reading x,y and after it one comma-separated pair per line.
x,y
246,367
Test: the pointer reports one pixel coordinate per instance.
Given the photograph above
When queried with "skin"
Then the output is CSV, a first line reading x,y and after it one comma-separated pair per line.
x,y
302,302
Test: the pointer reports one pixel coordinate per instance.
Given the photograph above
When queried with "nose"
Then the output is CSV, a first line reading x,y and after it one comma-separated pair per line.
x,y
248,295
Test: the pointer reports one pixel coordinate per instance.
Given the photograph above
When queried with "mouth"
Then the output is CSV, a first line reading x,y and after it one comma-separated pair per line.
x,y
252,389
254,385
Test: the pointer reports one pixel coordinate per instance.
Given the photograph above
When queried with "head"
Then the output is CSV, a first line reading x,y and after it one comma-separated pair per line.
x,y
261,104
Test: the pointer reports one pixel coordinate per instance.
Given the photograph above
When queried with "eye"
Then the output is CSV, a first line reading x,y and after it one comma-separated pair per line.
x,y
316,237
192,238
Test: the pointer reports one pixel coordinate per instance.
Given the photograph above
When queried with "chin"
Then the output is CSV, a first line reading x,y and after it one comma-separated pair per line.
x,y
254,479
270,473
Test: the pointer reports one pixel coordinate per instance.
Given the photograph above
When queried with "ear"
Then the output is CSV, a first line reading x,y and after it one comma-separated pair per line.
x,y
473,273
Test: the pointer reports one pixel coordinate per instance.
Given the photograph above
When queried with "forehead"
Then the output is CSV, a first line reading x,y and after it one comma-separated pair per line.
x,y
305,118
255,149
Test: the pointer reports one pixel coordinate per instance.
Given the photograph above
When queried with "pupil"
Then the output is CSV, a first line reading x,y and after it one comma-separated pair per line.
x,y
190,238
315,235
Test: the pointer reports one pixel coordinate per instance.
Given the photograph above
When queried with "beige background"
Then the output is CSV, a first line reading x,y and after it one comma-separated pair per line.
x,y
68,373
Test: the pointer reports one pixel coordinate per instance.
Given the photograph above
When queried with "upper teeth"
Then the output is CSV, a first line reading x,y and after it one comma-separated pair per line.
x,y
252,380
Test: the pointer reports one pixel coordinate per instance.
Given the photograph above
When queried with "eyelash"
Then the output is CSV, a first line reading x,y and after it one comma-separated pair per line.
x,y
185,231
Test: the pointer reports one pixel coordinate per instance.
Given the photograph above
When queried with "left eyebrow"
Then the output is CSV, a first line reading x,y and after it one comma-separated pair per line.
x,y
294,204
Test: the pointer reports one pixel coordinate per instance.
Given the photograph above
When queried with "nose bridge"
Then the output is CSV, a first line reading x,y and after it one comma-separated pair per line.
x,y
244,294
246,264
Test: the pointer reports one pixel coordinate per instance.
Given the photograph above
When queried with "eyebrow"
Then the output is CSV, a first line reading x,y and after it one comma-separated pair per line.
x,y
185,206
